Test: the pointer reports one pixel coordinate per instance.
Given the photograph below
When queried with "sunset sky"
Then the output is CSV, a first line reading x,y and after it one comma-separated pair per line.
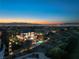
x,y
39,11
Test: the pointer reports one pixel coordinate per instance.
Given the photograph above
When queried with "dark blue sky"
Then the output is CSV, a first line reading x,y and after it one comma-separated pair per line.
x,y
50,10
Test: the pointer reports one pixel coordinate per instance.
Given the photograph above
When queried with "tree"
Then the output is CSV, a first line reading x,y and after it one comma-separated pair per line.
x,y
56,53
62,45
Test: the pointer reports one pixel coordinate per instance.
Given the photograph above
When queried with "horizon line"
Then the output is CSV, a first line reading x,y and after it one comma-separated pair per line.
x,y
28,21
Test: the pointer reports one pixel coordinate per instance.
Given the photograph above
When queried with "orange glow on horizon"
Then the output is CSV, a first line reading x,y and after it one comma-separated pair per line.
x,y
27,21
